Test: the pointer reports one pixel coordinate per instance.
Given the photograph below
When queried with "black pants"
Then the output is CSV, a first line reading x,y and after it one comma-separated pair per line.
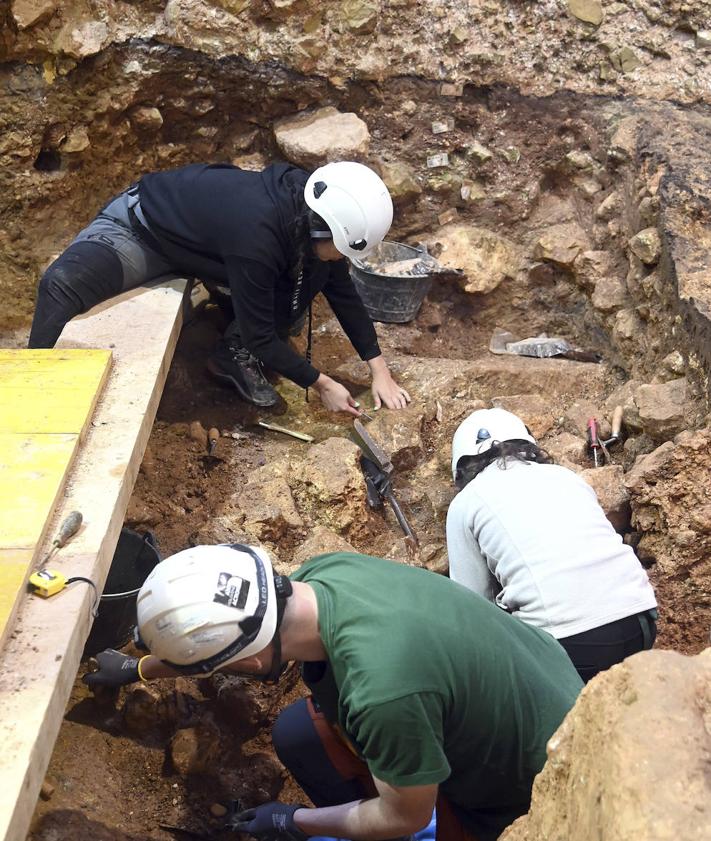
x,y
595,650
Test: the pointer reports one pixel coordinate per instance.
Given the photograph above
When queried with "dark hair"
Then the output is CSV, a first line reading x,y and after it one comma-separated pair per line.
x,y
517,449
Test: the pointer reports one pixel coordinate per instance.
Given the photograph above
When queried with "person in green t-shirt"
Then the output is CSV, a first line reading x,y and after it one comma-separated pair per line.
x,y
422,691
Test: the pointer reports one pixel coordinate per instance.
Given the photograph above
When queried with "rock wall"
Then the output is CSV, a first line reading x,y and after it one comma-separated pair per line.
x,y
608,777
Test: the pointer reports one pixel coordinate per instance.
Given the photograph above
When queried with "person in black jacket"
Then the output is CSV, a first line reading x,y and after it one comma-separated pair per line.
x,y
276,238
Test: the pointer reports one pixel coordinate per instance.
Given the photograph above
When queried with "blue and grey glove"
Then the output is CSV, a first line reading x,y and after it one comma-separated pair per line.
x,y
269,822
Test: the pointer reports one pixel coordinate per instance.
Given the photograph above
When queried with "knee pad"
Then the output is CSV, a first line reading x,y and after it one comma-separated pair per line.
x,y
82,276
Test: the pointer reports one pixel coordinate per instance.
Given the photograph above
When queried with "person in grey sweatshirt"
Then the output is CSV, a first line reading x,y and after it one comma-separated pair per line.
x,y
531,536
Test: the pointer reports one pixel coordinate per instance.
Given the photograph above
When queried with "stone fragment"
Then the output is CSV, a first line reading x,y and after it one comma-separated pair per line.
x,y
624,396
627,327
400,181
361,16
451,89
661,408
459,36
27,13
400,435
703,39
320,541
312,139
579,160
609,207
623,145
443,126
47,790
610,294
331,483
486,258
268,507
448,216
593,266
567,449
561,244
576,418
472,191
613,496
146,118
625,60
437,160
478,152
646,245
193,749
674,363
82,41
77,140
217,810
589,11
234,7
143,709
630,759
535,411
510,154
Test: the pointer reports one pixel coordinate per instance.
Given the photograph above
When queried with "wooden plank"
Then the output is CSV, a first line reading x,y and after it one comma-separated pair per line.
x,y
39,663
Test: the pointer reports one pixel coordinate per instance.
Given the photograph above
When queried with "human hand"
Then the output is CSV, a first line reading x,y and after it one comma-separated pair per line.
x,y
387,391
115,669
269,822
334,396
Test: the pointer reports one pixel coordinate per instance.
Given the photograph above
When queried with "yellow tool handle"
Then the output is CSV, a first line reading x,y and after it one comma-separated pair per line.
x,y
70,526
212,438
617,422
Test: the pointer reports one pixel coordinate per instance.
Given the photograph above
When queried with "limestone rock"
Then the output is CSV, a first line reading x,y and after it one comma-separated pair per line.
x,y
561,244
623,145
624,396
312,139
535,411
628,327
661,408
646,245
400,434
613,496
143,709
577,160
146,118
625,59
577,415
361,16
194,749
592,267
76,141
330,481
478,152
400,181
610,294
82,41
268,508
609,207
629,759
27,13
674,363
487,258
567,448
589,11
319,542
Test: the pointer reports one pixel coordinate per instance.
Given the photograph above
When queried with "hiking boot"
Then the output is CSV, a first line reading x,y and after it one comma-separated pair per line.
x,y
235,365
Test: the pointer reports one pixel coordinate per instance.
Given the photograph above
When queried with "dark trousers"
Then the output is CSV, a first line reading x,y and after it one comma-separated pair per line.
x,y
595,650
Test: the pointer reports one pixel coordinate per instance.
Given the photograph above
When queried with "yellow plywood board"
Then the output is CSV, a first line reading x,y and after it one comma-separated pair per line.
x,y
32,470
50,391
14,564
46,401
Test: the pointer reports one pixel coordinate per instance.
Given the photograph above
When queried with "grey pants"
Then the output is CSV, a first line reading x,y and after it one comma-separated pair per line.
x,y
104,259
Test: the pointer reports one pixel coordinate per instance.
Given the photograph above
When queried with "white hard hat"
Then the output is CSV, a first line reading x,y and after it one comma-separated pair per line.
x,y
208,606
483,428
355,204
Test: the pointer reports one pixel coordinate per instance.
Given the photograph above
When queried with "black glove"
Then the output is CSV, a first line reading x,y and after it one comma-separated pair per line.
x,y
269,822
115,669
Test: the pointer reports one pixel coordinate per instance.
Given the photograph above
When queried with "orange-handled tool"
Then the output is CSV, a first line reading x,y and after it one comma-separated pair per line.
x,y
594,440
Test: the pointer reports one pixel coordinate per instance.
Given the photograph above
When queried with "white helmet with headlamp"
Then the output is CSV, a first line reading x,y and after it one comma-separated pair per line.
x,y
482,429
354,203
209,606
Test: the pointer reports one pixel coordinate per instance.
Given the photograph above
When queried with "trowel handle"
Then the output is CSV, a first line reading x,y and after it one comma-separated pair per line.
x,y
617,422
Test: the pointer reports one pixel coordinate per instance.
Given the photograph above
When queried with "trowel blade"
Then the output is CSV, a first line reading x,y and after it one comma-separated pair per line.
x,y
370,447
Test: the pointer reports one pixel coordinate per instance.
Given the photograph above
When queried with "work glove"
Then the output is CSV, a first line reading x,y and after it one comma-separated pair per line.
x,y
269,822
115,669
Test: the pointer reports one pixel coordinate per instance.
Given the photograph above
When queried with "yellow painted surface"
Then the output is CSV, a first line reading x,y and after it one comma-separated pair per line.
x,y
47,398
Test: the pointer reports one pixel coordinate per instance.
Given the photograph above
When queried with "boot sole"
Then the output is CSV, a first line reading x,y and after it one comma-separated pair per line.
x,y
226,378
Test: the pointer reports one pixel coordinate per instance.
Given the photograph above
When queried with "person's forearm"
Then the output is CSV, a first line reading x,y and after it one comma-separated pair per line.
x,y
151,668
378,365
360,820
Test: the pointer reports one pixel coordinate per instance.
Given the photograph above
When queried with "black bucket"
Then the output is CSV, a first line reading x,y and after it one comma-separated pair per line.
x,y
393,298
134,558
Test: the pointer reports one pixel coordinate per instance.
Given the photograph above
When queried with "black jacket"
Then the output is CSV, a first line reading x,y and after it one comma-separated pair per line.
x,y
223,224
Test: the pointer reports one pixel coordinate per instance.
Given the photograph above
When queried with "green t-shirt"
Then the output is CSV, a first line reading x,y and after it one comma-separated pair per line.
x,y
436,684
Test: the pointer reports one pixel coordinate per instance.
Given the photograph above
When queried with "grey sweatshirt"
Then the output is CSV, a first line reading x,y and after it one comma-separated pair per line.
x,y
533,538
